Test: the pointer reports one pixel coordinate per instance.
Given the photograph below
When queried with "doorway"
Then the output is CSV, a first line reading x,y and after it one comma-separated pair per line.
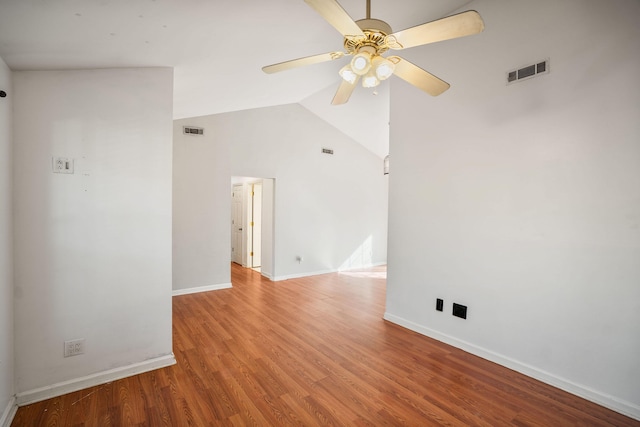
x,y
252,223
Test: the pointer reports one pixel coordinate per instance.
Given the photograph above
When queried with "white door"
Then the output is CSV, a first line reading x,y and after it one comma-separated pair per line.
x,y
256,225
236,224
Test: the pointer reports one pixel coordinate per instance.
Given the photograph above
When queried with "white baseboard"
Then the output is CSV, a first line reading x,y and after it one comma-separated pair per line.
x,y
54,390
626,408
9,412
201,289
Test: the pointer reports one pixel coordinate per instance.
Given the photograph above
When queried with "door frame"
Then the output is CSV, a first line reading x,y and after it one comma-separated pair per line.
x,y
237,223
253,223
267,235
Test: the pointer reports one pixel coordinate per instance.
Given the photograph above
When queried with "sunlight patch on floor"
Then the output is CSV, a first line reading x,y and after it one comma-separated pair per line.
x,y
366,274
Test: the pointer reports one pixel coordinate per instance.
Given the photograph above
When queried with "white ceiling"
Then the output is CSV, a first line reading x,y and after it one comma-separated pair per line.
x,y
217,49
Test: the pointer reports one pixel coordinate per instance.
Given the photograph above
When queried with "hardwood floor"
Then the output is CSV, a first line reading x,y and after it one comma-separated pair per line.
x,y
313,351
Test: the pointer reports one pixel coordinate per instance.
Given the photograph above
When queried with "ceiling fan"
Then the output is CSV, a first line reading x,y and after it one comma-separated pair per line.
x,y
367,39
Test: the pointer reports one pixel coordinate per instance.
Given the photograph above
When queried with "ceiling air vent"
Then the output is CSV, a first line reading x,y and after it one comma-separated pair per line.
x,y
192,131
327,151
528,71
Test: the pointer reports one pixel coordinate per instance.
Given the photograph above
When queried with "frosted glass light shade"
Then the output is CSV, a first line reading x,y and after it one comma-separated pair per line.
x,y
370,80
347,74
383,67
361,63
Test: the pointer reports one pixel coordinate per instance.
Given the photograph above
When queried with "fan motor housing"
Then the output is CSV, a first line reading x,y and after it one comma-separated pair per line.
x,y
375,31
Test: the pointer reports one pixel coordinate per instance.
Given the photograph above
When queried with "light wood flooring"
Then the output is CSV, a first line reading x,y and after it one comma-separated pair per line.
x,y
307,352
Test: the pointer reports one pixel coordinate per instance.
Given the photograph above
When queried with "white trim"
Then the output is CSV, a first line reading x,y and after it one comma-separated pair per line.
x,y
626,408
198,289
54,390
9,412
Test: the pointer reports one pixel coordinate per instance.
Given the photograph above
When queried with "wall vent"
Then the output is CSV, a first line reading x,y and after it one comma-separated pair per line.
x,y
528,72
192,131
327,151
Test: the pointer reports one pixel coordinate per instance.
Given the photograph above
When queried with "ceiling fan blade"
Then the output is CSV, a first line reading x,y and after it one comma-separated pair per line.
x,y
344,92
294,63
335,15
451,27
418,77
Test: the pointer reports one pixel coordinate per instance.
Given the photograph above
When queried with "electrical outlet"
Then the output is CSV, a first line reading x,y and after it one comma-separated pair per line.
x,y
74,347
62,165
460,310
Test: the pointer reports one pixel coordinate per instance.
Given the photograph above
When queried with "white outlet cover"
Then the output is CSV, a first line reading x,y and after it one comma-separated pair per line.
x,y
62,165
74,347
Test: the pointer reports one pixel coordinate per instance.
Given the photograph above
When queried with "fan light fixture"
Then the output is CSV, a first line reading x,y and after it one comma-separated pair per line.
x,y
374,69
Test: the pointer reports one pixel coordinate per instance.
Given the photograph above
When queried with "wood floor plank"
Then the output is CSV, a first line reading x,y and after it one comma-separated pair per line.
x,y
313,351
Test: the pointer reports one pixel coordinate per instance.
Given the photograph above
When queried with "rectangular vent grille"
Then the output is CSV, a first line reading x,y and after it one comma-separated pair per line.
x,y
327,151
192,131
528,72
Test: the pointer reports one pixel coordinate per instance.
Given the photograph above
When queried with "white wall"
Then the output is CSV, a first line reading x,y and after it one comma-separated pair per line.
x,y
365,118
92,249
523,201
6,249
331,210
201,207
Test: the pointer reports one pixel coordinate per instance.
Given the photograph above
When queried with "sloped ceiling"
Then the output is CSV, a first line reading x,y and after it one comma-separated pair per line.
x,y
217,49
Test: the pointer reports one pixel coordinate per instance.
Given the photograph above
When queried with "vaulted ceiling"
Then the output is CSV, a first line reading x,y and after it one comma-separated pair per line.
x,y
217,49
